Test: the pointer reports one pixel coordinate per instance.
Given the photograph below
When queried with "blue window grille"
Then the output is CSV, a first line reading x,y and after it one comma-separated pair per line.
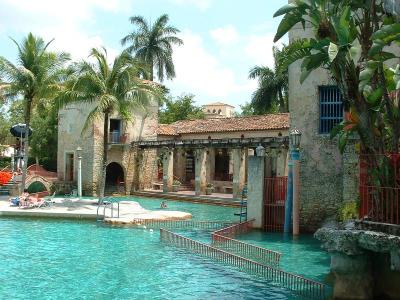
x,y
330,108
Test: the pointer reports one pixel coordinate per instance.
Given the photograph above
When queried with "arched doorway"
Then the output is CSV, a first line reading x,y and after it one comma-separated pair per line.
x,y
115,178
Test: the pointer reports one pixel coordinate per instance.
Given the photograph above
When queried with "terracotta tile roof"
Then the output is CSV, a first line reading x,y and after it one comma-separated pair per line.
x,y
166,129
250,123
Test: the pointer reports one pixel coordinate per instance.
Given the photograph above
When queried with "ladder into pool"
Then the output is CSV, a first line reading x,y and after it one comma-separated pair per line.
x,y
107,203
243,206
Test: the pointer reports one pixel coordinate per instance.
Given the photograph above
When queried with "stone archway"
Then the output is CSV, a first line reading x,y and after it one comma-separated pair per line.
x,y
36,178
115,178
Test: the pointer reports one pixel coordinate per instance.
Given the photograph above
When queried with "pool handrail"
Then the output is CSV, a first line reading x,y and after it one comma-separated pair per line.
x,y
105,204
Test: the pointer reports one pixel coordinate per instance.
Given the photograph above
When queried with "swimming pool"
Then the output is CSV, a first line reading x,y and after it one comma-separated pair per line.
x,y
61,259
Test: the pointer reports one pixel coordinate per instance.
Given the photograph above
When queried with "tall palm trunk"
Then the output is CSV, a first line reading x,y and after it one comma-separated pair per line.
x,y
28,107
151,65
105,158
282,105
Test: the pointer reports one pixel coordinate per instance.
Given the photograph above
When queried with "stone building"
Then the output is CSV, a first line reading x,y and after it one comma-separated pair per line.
x,y
218,110
222,156
142,152
122,170
327,177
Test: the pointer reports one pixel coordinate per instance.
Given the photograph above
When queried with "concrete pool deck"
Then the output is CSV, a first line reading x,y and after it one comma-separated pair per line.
x,y
87,209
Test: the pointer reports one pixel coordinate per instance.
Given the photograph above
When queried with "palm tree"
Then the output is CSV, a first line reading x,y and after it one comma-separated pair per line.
x,y
37,77
272,87
152,44
111,88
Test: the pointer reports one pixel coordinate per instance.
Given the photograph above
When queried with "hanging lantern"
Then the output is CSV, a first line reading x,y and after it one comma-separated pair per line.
x,y
295,138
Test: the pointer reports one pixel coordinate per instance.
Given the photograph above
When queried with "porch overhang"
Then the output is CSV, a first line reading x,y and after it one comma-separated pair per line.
x,y
267,142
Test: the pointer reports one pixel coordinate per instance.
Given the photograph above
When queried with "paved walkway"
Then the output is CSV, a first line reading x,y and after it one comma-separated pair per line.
x,y
87,209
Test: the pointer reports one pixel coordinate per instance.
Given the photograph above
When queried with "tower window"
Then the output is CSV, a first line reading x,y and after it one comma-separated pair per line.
x,y
330,108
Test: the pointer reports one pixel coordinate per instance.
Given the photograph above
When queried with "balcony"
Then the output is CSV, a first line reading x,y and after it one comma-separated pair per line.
x,y
116,137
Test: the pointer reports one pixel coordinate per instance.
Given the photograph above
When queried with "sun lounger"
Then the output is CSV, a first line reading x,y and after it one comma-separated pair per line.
x,y
74,193
36,200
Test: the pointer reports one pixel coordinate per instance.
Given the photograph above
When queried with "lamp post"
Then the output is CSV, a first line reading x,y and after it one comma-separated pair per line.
x,y
79,153
295,138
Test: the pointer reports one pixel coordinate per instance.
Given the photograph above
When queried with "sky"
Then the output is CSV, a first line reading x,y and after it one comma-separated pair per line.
x,y
223,39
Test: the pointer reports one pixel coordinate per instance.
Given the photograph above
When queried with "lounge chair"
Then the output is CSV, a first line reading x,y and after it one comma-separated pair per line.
x,y
74,193
45,202
14,201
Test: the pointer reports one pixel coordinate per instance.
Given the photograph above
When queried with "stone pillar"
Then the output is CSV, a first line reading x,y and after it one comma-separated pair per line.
x,y
180,164
255,190
281,163
239,172
353,279
211,165
200,171
351,171
129,161
168,170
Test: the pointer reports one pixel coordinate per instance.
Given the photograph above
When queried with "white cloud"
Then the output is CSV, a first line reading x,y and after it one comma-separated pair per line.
x,y
226,35
200,72
201,4
66,21
259,49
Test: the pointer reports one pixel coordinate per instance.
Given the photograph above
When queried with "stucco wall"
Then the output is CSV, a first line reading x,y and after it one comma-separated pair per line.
x,y
70,135
321,162
71,120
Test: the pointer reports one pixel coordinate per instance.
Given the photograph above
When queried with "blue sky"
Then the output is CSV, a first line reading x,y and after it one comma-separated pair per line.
x,y
223,39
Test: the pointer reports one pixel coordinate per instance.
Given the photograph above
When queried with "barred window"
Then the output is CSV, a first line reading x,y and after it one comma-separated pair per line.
x,y
330,108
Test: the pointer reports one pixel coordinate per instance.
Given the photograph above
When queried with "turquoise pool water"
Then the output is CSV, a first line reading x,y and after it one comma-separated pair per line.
x,y
60,259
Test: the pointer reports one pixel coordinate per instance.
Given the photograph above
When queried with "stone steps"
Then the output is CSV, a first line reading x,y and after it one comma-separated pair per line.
x,y
190,198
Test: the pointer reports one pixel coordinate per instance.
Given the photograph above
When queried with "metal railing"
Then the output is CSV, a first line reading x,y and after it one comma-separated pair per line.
x,y
275,189
380,188
380,204
223,239
107,204
308,288
116,137
235,229
179,224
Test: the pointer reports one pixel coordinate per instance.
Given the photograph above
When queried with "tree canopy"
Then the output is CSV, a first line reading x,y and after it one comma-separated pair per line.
x,y
112,88
152,44
272,91
37,77
181,108
349,41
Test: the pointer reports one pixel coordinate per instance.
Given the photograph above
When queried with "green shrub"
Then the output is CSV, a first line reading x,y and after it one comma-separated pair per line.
x,y
5,162
349,211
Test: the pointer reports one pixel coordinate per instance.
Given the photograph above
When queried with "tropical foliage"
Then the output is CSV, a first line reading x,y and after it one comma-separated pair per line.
x,y
247,109
109,88
349,41
152,44
37,77
272,92
182,108
43,141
